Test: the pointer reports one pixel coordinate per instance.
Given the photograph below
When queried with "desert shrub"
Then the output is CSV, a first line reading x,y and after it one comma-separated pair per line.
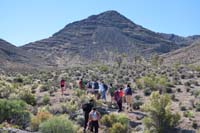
x,y
44,88
110,120
188,114
6,90
167,90
183,108
57,124
197,106
27,96
196,93
18,79
152,81
27,80
38,119
139,83
195,125
147,91
194,67
118,128
79,92
34,86
80,120
14,111
56,109
137,104
46,99
160,119
103,68
137,97
69,107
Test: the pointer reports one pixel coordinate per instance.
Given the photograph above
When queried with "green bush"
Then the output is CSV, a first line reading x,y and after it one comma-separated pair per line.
x,y
44,88
103,68
147,92
57,124
188,114
160,119
69,107
152,81
27,96
110,120
18,79
79,92
46,99
6,90
137,104
196,93
38,119
197,106
34,86
14,111
118,128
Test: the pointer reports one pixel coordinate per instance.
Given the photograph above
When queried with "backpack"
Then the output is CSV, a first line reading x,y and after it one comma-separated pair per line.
x,y
105,87
96,85
116,96
87,107
129,91
89,85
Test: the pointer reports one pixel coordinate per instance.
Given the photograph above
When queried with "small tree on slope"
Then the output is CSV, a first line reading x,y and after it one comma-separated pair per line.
x,y
160,118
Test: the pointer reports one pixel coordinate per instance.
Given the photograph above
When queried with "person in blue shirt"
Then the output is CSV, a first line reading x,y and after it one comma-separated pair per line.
x,y
103,89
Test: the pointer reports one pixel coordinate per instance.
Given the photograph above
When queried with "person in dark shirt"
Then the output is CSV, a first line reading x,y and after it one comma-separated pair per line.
x,y
87,107
62,86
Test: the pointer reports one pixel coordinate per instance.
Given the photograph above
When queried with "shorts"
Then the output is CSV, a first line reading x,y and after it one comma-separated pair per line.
x,y
129,99
96,91
62,85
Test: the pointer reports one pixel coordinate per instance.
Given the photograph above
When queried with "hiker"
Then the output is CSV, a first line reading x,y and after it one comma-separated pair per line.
x,y
94,117
128,96
118,94
81,84
95,88
111,91
87,107
62,86
102,89
89,86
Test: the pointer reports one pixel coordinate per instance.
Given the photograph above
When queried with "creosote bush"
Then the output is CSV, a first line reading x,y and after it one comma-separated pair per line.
x,y
114,121
153,82
58,124
39,118
46,99
15,112
160,118
27,96
118,128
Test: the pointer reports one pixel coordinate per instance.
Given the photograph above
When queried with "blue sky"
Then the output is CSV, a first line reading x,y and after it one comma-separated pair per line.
x,y
24,21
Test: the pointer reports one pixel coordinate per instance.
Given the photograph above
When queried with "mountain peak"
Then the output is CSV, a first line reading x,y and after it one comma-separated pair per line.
x,y
111,12
110,15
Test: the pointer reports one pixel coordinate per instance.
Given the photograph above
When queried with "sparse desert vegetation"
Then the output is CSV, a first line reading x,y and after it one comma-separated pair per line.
x,y
164,98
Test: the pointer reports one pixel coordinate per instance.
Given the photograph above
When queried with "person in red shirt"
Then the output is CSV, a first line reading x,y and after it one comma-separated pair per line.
x,y
121,93
80,83
118,95
62,86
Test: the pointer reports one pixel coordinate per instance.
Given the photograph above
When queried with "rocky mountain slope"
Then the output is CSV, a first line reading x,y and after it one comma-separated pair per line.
x,y
12,57
187,55
101,38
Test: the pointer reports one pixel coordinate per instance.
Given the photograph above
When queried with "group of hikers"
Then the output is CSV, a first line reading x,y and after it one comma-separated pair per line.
x,y
100,89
